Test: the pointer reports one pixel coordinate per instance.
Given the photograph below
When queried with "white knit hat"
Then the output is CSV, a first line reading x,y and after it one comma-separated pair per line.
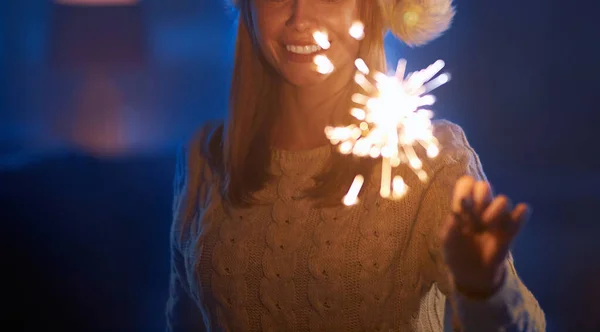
x,y
415,22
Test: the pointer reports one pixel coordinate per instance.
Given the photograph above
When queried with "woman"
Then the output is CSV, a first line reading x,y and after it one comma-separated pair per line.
x,y
260,241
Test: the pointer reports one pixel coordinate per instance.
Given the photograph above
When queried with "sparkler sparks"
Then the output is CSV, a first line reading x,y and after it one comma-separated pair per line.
x,y
392,123
393,120
357,30
322,39
324,65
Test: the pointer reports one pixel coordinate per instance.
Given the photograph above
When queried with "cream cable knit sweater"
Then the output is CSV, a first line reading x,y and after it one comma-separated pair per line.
x,y
285,266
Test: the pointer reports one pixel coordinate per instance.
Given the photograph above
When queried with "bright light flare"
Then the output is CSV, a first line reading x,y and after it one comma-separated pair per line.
x,y
361,66
399,187
322,39
324,65
357,30
393,123
392,120
351,197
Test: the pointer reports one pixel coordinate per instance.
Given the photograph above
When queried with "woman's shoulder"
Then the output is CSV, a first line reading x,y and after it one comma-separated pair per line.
x,y
456,155
456,158
453,143
450,134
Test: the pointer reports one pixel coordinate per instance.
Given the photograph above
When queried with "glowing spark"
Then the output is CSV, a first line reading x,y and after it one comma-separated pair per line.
x,y
437,82
393,123
360,98
392,120
401,68
357,30
433,151
324,65
346,147
322,39
399,187
386,172
358,113
351,197
361,80
362,66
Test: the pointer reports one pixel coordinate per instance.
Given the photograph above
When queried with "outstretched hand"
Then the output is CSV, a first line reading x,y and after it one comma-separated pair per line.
x,y
477,235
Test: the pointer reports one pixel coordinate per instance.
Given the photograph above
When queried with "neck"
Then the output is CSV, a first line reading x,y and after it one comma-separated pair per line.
x,y
306,111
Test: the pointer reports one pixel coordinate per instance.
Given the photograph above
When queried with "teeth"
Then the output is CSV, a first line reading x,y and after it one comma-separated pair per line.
x,y
303,49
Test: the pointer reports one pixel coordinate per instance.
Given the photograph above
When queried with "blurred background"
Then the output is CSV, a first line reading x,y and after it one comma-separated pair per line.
x,y
94,99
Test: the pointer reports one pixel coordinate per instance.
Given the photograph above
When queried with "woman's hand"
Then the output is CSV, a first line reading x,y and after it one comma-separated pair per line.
x,y
477,235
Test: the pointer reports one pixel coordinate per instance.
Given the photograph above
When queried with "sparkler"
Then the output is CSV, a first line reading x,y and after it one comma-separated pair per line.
x,y
393,116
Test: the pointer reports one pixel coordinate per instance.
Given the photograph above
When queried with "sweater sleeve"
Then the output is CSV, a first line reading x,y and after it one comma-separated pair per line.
x,y
512,307
182,311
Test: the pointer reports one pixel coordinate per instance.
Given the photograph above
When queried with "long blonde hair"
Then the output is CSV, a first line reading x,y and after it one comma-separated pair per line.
x,y
254,94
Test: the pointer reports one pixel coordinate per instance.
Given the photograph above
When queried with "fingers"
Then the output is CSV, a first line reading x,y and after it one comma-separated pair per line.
x,y
463,194
475,209
503,219
482,195
521,212
520,215
470,198
498,210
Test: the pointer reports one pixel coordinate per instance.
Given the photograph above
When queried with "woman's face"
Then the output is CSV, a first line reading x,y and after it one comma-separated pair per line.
x,y
284,32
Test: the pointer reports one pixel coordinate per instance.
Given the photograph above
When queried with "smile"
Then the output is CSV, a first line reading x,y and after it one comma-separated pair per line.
x,y
307,49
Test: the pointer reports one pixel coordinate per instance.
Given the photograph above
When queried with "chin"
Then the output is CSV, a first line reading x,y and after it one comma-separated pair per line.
x,y
303,77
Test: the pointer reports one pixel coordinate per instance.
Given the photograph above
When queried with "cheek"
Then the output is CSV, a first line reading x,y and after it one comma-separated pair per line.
x,y
352,46
346,51
261,35
341,24
267,33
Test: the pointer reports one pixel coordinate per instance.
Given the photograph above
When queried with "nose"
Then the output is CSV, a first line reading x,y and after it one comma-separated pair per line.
x,y
302,17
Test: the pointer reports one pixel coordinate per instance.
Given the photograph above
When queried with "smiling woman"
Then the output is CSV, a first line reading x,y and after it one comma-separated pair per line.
x,y
262,54
291,51
260,239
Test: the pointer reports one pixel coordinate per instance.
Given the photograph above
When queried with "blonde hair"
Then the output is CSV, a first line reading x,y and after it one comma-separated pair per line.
x,y
254,97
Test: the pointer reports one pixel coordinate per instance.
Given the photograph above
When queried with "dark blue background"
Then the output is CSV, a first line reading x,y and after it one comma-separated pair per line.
x,y
93,101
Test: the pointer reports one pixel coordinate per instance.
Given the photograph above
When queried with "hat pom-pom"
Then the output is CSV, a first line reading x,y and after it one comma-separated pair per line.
x,y
417,22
